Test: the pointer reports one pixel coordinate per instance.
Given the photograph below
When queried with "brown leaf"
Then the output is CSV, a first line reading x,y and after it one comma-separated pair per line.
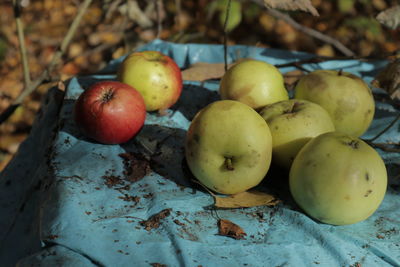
x,y
389,79
230,229
292,5
390,17
245,200
136,166
155,220
290,78
204,71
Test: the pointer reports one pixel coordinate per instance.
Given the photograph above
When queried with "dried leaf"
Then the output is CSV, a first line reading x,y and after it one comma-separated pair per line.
x,y
204,71
230,229
292,5
390,17
61,85
136,166
290,78
389,79
245,200
155,220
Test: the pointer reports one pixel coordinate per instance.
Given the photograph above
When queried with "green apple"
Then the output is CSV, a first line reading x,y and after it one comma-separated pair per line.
x,y
346,97
293,123
228,147
253,82
338,179
156,76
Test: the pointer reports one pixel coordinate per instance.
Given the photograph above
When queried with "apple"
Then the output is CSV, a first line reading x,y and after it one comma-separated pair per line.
x,y
293,123
338,179
228,147
156,76
346,97
253,82
110,112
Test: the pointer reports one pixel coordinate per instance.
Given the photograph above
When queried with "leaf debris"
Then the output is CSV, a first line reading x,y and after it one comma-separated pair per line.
x,y
230,229
155,220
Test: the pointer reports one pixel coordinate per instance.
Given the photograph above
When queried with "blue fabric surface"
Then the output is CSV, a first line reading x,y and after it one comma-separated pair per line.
x,y
85,221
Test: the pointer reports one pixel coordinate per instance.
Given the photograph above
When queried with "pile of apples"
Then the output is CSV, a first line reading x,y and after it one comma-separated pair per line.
x,y
113,112
334,176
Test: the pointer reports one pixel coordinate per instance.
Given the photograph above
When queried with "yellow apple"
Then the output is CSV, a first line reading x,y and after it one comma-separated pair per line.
x,y
346,97
338,179
156,76
253,82
293,123
228,147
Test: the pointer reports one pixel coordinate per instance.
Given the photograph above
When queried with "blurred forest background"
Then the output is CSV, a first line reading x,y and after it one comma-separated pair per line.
x,y
111,28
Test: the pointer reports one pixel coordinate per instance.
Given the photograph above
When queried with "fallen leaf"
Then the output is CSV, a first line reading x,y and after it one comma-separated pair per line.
x,y
155,220
136,166
390,17
204,71
245,200
389,79
230,229
290,78
292,5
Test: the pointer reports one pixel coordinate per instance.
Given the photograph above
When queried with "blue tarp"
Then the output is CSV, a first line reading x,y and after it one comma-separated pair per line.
x,y
67,201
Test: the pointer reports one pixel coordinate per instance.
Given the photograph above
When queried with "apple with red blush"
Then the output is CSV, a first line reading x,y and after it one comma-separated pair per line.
x,y
156,76
110,112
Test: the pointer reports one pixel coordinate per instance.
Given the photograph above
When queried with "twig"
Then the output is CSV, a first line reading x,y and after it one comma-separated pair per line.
x,y
316,34
228,10
45,74
21,40
384,130
319,59
158,14
384,147
178,5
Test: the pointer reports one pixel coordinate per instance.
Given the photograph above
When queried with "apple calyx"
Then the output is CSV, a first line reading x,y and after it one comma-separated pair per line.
x,y
107,95
228,164
354,144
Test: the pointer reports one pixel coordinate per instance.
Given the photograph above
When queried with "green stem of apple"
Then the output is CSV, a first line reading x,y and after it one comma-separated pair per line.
x,y
229,164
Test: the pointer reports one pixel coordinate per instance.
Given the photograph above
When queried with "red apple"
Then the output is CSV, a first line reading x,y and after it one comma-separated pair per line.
x,y
110,112
156,76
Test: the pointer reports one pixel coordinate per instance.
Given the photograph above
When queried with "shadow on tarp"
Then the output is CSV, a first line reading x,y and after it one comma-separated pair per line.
x,y
22,183
164,146
193,98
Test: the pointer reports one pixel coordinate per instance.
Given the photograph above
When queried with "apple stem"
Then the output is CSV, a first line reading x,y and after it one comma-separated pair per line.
x,y
293,108
228,164
340,72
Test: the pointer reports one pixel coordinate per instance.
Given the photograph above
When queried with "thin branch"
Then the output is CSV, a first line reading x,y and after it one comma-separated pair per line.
x,y
178,16
385,147
21,40
29,88
319,59
228,11
384,130
158,4
316,34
